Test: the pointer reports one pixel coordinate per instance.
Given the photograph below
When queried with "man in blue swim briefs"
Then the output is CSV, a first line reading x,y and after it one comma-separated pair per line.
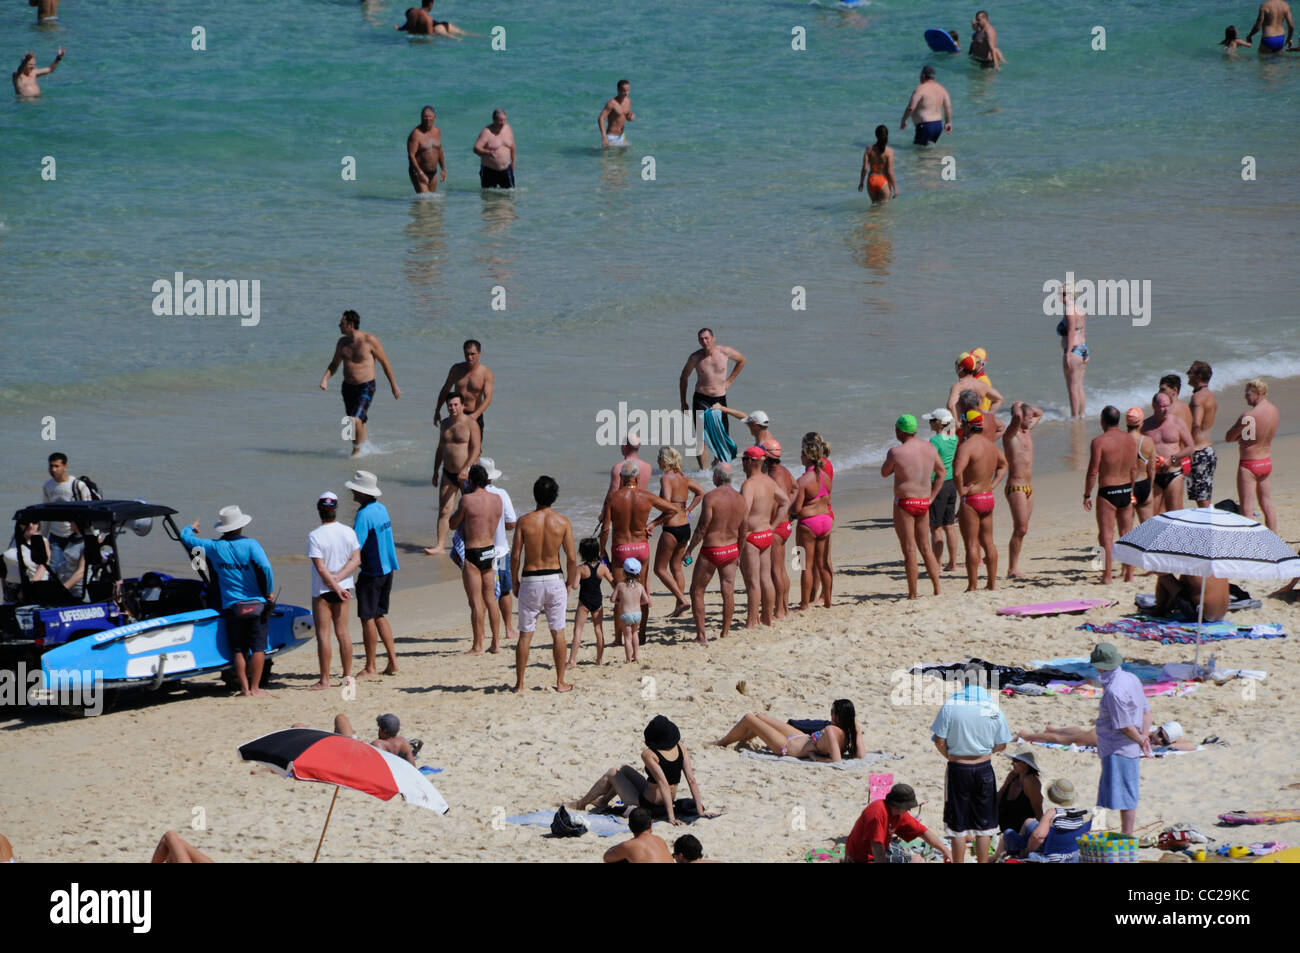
x,y
930,108
358,351
1273,16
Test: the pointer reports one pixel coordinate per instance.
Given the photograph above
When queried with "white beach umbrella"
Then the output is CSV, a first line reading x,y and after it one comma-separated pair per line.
x,y
1208,542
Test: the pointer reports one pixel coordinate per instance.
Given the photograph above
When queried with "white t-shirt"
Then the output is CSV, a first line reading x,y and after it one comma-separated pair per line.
x,y
65,492
500,542
334,543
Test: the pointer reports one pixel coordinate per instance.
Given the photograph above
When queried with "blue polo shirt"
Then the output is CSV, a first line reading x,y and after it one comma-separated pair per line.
x,y
375,534
971,723
240,566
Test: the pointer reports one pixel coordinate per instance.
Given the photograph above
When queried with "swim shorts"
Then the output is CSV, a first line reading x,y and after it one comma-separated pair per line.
x,y
246,633
1200,486
357,398
372,595
928,132
538,594
496,178
970,800
943,511
615,140
505,583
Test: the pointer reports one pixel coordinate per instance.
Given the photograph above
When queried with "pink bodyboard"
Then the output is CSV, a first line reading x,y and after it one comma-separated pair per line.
x,y
1056,608
880,785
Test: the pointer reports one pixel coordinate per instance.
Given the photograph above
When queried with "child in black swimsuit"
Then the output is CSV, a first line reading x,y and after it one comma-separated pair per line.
x,y
590,603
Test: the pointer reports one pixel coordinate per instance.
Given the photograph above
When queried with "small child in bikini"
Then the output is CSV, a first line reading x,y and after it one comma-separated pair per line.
x,y
630,599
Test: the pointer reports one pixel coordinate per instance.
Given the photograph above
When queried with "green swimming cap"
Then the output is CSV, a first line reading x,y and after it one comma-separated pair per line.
x,y
906,423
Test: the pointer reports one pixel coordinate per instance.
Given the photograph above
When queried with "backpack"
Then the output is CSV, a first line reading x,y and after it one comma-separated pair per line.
x,y
92,488
562,825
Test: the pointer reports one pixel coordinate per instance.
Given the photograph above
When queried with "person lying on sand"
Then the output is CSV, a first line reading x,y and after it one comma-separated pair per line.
x,y
389,740
839,740
1181,595
1168,735
174,849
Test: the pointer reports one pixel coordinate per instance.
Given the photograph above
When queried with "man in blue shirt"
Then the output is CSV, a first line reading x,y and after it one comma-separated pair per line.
x,y
969,728
374,531
243,573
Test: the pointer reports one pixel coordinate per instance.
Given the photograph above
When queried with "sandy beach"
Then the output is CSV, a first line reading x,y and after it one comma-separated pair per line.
x,y
106,787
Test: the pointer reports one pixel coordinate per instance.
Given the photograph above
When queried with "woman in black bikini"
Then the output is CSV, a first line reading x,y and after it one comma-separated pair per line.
x,y
665,760
838,740
675,486
590,573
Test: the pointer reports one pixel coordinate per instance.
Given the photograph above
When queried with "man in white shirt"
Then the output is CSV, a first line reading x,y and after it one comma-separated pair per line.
x,y
335,554
504,584
61,488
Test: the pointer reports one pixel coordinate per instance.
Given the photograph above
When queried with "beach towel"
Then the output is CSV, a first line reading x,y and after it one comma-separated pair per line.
x,y
849,764
1146,601
1160,751
603,825
1234,818
1171,632
715,435
825,855
1149,689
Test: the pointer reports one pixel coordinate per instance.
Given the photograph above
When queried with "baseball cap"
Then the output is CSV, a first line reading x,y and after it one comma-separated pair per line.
x,y
327,500
773,448
388,724
760,418
940,414
755,453
632,566
905,423
1106,657
1134,415
901,795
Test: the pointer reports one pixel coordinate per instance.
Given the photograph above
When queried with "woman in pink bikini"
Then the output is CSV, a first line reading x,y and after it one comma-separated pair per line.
x,y
838,740
811,506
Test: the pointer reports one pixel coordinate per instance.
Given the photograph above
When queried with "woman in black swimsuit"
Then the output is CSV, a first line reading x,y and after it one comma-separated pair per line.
x,y
1021,796
590,573
664,760
675,486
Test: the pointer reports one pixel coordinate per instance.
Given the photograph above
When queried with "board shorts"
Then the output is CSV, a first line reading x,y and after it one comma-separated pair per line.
x,y
357,398
496,178
943,511
928,132
1120,781
372,595
540,593
246,633
1200,483
505,583
970,800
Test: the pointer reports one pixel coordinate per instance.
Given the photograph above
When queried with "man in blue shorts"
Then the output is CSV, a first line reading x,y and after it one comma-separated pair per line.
x,y
374,531
358,351
930,109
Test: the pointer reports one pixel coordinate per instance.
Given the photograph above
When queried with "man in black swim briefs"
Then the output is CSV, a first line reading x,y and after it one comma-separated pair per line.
x,y
709,364
1113,463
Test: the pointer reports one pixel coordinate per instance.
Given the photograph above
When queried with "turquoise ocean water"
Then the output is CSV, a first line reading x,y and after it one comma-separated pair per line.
x,y
225,163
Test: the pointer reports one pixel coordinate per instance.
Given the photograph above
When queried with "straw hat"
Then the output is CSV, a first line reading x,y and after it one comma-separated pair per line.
x,y
1061,792
229,519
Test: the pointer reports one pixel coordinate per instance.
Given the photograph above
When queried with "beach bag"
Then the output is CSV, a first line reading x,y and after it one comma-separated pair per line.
x,y
562,825
1108,847
92,489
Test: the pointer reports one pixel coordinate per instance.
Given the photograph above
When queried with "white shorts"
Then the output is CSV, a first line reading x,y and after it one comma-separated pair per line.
x,y
539,594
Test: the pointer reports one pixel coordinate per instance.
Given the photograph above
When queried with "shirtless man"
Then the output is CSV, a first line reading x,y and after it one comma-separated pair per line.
x,y
420,22
477,517
1113,467
1254,430
617,113
720,530
644,847
1173,441
764,499
631,454
1172,385
424,153
918,473
459,445
930,108
25,75
984,43
389,739
968,379
46,10
978,467
626,515
358,351
1018,445
712,381
1143,502
495,147
1272,17
472,380
539,537
1204,407
781,531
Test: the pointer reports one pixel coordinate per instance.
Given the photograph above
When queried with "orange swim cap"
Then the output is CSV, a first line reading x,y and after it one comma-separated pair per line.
x,y
1134,416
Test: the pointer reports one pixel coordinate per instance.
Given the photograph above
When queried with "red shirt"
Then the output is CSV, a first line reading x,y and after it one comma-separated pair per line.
x,y
875,825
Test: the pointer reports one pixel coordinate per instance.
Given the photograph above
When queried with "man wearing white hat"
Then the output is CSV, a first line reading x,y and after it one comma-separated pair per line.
x,y
374,531
504,584
335,554
243,573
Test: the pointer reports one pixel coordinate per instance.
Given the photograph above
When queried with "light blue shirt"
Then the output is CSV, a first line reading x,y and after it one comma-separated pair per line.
x,y
971,723
374,532
236,564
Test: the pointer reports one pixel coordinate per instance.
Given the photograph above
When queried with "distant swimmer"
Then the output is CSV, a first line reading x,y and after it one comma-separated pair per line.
x,y
616,114
1204,407
709,364
46,10
1272,17
919,473
1254,431
424,152
1230,41
420,22
1113,468
878,169
472,380
984,43
358,351
1018,445
1074,349
25,76
495,147
930,108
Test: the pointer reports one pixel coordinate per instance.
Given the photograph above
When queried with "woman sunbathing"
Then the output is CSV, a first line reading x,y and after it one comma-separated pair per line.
x,y
839,740
1168,735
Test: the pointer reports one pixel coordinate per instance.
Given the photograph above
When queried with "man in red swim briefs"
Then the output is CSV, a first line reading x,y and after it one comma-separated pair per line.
x,y
763,501
1254,431
978,466
626,513
918,473
720,529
